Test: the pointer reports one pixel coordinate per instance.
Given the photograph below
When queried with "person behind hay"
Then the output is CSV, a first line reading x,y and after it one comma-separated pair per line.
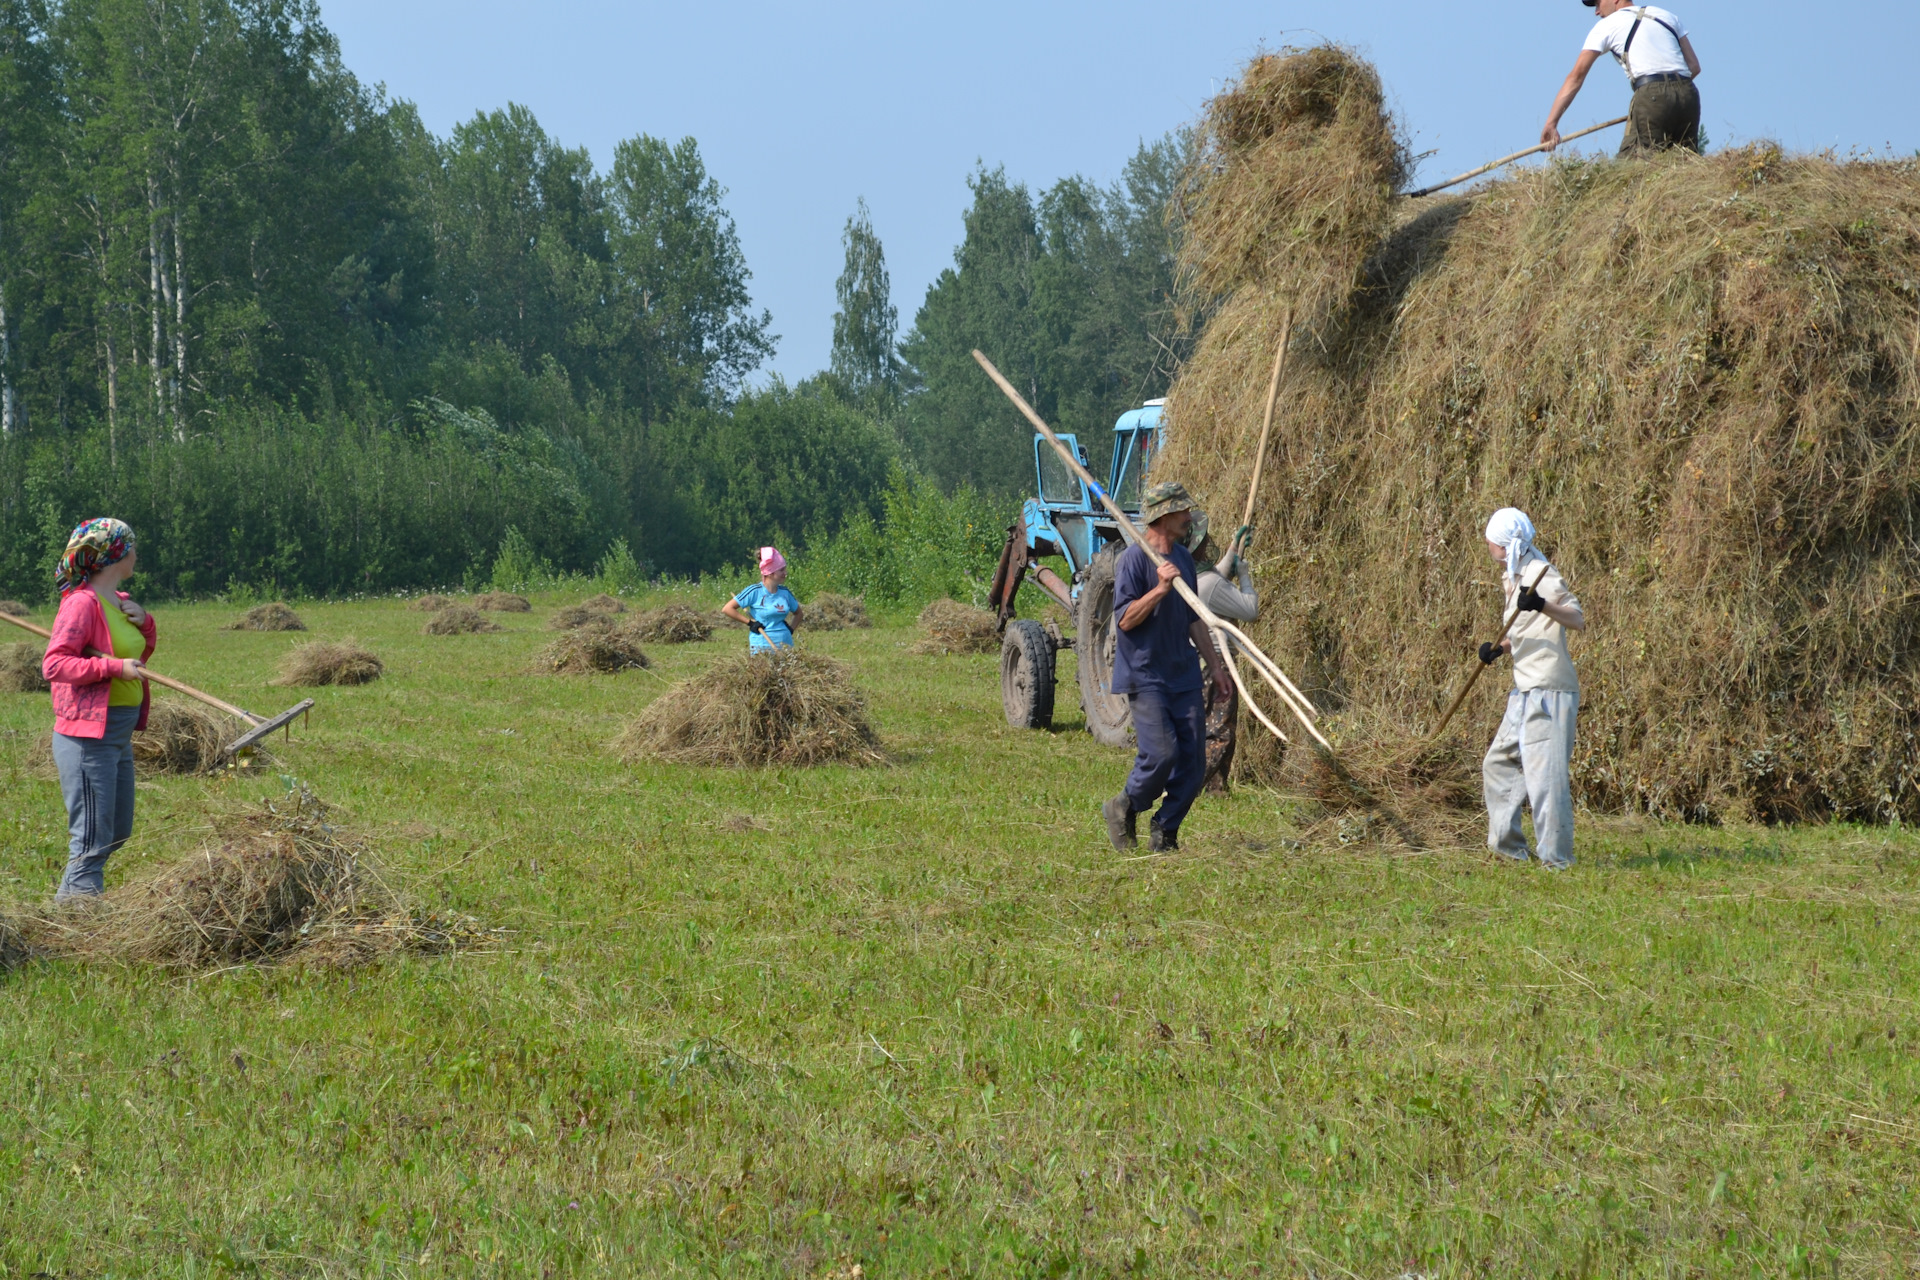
x,y
1531,755
1240,603
1654,51
769,610
97,702
1156,667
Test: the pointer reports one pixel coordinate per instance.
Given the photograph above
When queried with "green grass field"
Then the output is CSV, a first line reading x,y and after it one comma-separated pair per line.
x,y
920,1020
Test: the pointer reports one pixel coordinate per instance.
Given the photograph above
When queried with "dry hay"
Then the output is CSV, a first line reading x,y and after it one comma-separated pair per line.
x,y
430,603
588,650
271,616
13,608
20,669
1699,376
952,627
671,624
324,662
459,620
784,707
502,602
830,612
282,884
183,737
600,607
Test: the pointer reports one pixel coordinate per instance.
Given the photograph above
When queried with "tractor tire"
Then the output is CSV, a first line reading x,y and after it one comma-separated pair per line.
x,y
1109,715
1026,675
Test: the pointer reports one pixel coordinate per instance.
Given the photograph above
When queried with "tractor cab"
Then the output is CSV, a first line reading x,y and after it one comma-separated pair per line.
x,y
1067,521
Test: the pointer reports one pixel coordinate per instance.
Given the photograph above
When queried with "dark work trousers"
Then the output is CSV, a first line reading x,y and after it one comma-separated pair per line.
x,y
1223,730
1171,732
1664,114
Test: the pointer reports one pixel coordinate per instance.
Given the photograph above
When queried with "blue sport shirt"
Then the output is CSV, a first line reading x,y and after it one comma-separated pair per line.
x,y
770,610
1158,654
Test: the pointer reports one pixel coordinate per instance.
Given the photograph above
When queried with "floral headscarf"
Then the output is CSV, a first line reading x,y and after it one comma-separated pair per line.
x,y
93,546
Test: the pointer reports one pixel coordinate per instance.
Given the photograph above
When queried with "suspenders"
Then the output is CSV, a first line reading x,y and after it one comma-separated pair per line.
x,y
1639,15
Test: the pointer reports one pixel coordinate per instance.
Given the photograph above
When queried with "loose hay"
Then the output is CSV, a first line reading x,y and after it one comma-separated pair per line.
x,y
952,627
20,669
459,620
182,737
16,609
671,624
502,602
592,649
830,612
1698,374
786,707
324,662
272,616
430,603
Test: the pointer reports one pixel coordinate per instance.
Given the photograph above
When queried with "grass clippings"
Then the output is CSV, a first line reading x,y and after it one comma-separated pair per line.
x,y
671,624
20,669
325,662
591,651
834,612
502,602
14,608
271,616
784,707
948,627
430,603
459,620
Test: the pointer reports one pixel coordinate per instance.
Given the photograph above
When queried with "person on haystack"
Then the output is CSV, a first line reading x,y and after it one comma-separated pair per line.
x,y
1653,49
1240,603
1530,760
1159,643
770,610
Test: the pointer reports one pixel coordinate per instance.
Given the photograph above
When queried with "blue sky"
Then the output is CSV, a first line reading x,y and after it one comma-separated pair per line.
x,y
802,108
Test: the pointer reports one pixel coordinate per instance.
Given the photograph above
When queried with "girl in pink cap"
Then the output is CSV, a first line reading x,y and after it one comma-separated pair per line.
x,y
769,610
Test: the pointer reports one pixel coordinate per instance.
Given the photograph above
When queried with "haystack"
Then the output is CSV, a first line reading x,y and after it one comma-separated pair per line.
x,y
459,620
271,616
591,650
1699,375
502,602
15,609
951,627
579,615
831,612
430,603
671,624
182,737
20,669
324,662
786,707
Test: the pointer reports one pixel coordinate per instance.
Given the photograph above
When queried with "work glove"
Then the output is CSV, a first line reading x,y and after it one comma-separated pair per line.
x,y
1491,653
1530,601
1243,537
753,625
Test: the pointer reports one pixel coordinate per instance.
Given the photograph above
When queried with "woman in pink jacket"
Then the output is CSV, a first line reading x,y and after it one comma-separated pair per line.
x,y
97,701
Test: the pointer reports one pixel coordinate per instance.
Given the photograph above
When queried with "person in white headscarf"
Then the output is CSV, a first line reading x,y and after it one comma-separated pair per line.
x,y
1530,760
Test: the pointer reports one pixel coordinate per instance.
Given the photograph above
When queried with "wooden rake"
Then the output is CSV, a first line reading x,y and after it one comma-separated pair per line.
x,y
261,725
1479,666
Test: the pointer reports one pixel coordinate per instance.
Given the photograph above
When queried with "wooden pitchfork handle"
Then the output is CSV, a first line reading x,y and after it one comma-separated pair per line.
x,y
1518,155
154,676
1479,666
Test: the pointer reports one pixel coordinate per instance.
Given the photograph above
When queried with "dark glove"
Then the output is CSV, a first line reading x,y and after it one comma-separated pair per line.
x,y
753,625
1491,653
1530,601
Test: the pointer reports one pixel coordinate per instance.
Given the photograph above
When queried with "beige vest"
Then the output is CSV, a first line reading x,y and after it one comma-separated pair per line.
x,y
1540,657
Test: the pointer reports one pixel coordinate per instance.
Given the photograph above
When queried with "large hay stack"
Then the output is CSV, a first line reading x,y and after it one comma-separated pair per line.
x,y
1697,374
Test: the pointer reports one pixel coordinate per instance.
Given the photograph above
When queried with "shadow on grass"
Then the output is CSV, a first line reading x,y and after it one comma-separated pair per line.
x,y
1699,854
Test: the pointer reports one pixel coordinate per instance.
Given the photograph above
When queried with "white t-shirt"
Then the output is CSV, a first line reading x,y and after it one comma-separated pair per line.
x,y
1540,657
1655,49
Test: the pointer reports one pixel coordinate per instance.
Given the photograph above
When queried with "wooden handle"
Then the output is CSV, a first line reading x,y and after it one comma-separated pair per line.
x,y
1479,666
1266,424
1518,155
164,682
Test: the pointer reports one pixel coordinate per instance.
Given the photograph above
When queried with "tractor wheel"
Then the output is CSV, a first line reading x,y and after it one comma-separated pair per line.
x,y
1109,717
1026,675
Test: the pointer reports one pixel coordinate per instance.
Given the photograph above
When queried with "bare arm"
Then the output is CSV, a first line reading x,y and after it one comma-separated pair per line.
x,y
1202,637
1569,90
1686,51
1140,610
733,610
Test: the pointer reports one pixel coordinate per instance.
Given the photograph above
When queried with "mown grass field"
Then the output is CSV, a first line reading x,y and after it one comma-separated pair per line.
x,y
920,1020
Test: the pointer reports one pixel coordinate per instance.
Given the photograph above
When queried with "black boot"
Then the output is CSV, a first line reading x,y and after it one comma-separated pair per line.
x,y
1120,827
1160,840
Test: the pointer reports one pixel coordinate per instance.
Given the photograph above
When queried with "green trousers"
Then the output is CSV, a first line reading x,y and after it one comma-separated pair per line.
x,y
1664,114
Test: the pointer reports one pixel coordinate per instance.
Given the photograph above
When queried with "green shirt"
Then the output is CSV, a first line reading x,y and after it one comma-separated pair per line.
x,y
127,643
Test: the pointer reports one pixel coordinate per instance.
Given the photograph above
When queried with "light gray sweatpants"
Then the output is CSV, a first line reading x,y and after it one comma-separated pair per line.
x,y
1528,764
96,778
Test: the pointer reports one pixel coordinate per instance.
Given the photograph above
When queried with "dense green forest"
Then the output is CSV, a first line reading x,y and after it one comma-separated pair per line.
x,y
303,344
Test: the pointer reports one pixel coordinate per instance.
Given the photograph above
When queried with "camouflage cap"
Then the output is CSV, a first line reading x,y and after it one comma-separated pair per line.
x,y
1164,499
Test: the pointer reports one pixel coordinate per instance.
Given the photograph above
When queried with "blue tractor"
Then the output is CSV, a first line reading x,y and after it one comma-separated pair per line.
x,y
1066,521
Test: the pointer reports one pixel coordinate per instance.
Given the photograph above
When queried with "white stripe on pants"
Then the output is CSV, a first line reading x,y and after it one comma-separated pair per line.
x,y
1528,765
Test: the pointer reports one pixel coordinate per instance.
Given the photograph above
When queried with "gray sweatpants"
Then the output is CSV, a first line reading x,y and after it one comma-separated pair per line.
x,y
96,777
1528,764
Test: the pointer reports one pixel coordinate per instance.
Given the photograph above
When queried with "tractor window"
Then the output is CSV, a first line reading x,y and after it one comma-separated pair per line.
x,y
1127,492
1057,483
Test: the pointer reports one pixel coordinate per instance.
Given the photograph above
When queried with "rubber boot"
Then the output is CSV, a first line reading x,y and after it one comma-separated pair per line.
x,y
1120,826
1160,840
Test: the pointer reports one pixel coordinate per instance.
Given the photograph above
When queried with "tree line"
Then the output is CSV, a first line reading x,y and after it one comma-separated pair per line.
x,y
303,343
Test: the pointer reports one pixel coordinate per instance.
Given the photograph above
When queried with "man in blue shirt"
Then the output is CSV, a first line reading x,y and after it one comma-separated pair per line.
x,y
1159,642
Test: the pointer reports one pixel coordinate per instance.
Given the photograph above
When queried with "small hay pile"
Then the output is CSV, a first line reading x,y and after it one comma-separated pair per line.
x,y
324,662
14,608
1699,375
182,737
284,884
599,608
831,612
430,603
786,707
952,627
459,620
271,616
671,624
502,602
20,669
591,650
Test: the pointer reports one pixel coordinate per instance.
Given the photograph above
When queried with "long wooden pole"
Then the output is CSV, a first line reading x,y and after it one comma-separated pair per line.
x,y
1266,424
1518,155
1479,666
